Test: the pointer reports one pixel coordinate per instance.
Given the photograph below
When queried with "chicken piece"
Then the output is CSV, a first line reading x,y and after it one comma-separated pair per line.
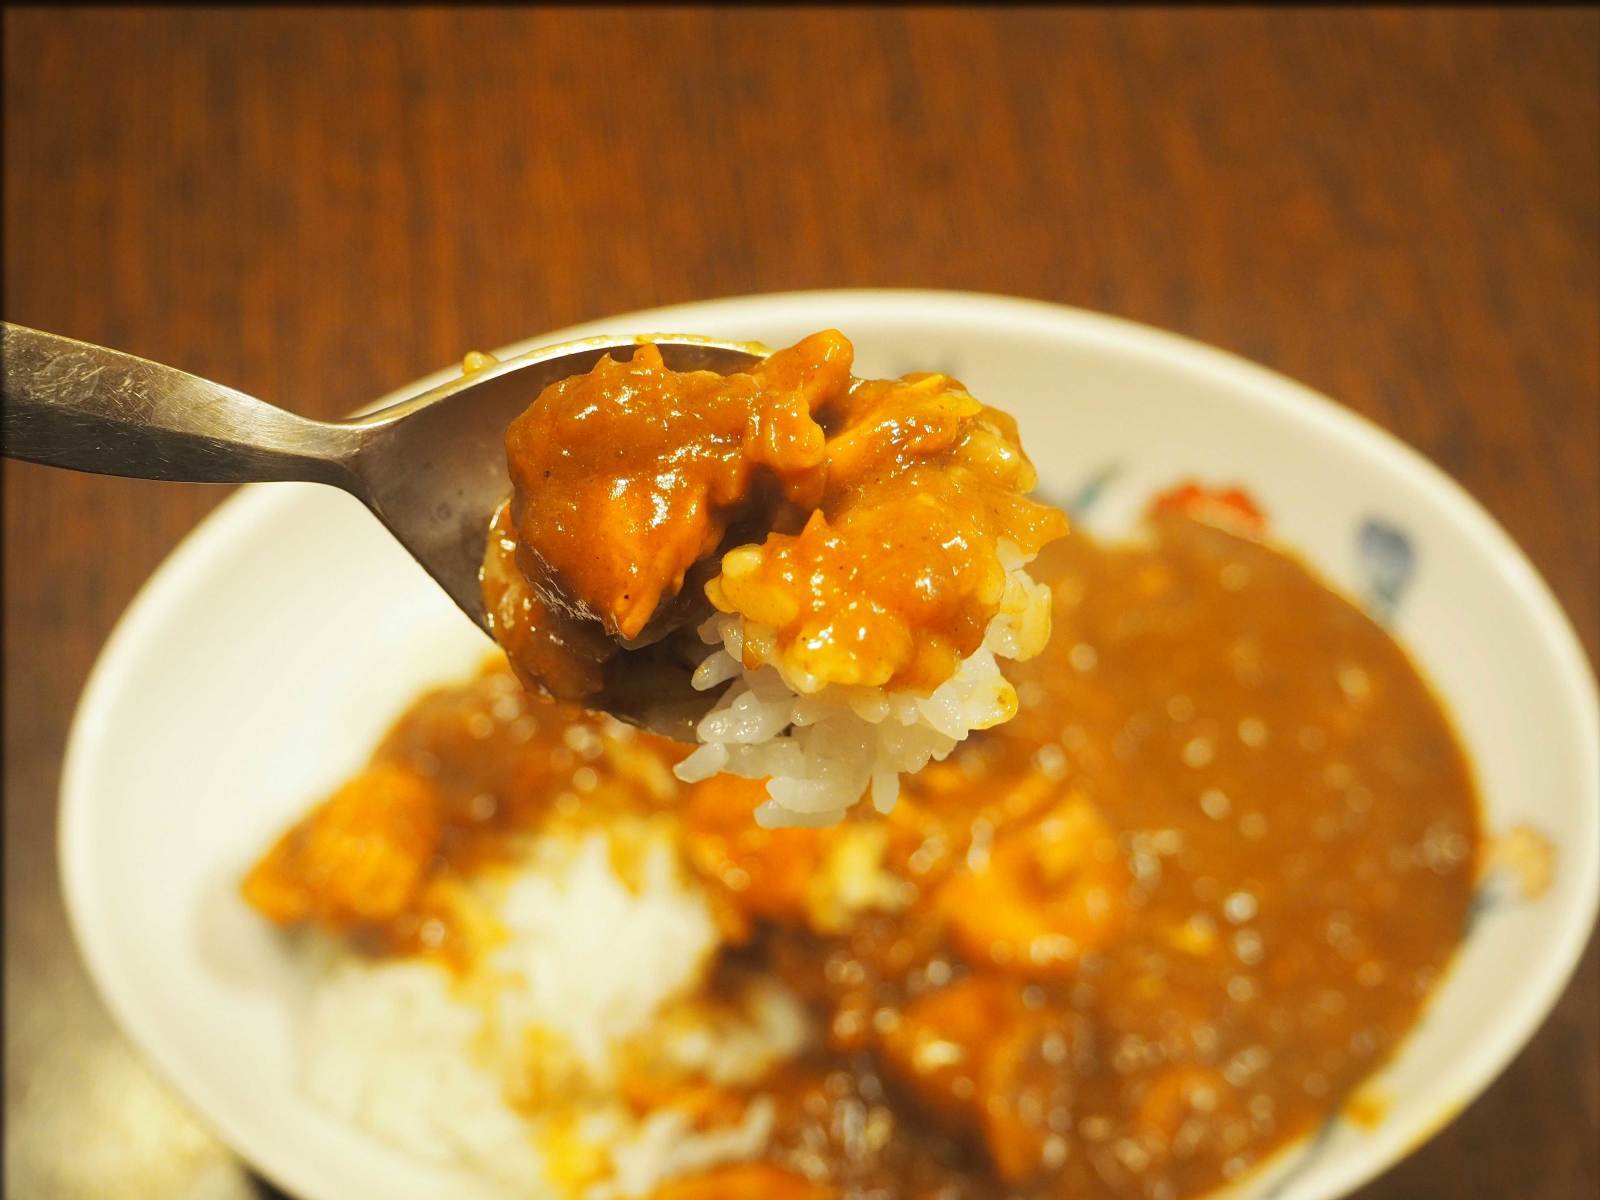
x,y
358,858
762,873
938,1046
1049,892
978,1057
626,477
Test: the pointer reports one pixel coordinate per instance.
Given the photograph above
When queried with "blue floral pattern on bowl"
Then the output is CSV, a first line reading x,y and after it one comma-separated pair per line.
x,y
1088,493
1388,561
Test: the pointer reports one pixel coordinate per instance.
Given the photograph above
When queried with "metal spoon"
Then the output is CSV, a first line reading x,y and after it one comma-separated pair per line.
x,y
431,468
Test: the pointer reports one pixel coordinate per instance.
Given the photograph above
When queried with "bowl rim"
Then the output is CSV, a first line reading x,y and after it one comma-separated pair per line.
x,y
1473,1071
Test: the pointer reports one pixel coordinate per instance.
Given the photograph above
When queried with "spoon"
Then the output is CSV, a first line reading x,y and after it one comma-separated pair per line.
x,y
431,468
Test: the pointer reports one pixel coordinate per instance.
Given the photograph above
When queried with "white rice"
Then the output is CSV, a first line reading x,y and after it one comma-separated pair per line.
x,y
449,1069
388,1048
823,746
590,961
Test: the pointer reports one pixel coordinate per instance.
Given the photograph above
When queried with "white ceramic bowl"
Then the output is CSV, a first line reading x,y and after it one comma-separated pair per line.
x,y
264,659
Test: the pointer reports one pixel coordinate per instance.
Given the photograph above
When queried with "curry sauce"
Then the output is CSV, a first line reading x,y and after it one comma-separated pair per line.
x,y
856,524
1129,944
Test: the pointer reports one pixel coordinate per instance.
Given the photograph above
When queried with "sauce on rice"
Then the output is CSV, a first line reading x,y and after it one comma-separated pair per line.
x,y
1128,945
856,524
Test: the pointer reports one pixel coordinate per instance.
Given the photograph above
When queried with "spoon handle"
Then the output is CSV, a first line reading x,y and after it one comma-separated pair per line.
x,y
73,404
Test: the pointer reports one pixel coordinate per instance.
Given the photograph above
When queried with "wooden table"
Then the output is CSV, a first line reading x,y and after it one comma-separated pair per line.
x,y
1399,209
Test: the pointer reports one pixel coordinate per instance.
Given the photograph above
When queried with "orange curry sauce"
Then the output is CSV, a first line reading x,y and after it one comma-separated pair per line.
x,y
1141,937
856,520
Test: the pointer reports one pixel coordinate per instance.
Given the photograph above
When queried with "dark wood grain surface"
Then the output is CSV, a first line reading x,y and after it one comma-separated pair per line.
x,y
1401,209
